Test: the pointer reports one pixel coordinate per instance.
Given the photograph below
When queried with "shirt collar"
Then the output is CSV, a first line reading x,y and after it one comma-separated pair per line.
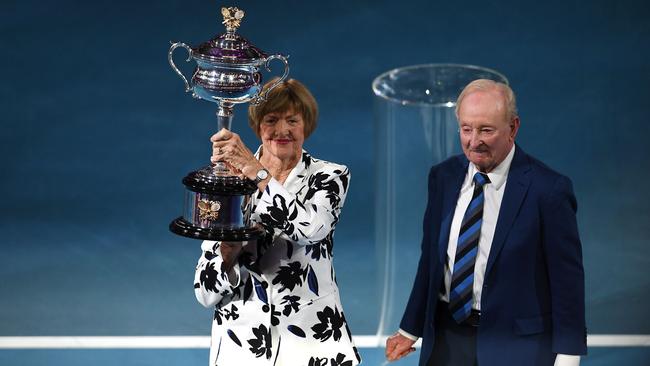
x,y
498,175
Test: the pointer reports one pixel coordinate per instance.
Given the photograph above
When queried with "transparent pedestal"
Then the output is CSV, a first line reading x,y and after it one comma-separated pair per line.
x,y
416,128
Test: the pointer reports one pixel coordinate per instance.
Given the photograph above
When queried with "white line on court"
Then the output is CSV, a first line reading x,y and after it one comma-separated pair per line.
x,y
143,342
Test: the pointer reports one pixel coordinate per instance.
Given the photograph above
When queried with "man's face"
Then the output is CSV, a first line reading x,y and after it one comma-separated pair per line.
x,y
486,131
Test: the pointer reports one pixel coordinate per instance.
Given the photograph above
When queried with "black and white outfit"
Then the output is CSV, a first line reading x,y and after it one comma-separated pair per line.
x,y
280,304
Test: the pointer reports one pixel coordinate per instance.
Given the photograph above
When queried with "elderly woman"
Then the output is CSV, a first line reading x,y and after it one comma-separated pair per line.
x,y
276,300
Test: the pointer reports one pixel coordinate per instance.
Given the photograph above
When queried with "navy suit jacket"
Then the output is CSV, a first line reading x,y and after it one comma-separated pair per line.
x,y
532,302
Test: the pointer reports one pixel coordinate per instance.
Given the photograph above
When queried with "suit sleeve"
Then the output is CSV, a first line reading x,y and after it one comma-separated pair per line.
x,y
415,313
311,220
211,282
563,252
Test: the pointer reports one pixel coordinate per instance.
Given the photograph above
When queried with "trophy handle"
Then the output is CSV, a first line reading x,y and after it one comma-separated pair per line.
x,y
262,98
171,61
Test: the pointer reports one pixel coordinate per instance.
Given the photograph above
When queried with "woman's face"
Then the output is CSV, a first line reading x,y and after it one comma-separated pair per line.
x,y
283,134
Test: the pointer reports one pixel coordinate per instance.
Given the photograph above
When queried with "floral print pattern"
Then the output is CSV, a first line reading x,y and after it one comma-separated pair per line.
x,y
330,324
261,344
279,305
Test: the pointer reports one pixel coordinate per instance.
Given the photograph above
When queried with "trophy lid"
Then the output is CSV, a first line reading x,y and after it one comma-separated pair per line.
x,y
230,47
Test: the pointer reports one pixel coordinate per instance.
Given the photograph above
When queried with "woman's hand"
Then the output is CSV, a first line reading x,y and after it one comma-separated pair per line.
x,y
230,251
228,147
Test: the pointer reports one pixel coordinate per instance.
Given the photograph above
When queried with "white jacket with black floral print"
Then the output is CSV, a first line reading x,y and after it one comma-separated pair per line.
x,y
280,303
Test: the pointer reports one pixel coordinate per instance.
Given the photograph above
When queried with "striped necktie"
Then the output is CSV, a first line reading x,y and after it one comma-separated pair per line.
x,y
462,280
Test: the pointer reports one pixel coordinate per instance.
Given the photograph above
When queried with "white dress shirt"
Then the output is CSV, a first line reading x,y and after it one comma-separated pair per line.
x,y
493,195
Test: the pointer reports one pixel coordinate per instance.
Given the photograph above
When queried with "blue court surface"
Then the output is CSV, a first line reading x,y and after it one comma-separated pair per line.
x,y
191,357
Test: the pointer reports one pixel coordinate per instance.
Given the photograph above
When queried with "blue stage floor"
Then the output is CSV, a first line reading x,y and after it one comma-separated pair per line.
x,y
199,357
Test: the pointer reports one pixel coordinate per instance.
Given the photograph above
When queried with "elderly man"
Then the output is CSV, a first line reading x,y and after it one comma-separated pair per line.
x,y
500,279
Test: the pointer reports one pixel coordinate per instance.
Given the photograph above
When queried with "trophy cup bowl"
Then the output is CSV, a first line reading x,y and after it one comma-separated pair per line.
x,y
227,73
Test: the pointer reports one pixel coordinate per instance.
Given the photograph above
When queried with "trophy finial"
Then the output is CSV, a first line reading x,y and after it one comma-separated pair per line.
x,y
232,17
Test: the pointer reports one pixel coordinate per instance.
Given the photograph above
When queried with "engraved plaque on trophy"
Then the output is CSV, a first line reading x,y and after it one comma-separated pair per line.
x,y
227,73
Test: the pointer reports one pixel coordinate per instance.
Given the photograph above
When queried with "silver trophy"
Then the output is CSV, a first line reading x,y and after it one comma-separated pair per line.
x,y
227,73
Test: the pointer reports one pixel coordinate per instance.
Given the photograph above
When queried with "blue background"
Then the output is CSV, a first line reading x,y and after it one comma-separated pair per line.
x,y
96,134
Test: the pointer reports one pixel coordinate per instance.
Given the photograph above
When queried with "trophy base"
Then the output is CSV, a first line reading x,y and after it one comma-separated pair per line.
x,y
217,179
182,227
217,207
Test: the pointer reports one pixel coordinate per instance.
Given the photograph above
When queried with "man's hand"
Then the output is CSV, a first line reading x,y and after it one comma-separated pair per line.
x,y
398,346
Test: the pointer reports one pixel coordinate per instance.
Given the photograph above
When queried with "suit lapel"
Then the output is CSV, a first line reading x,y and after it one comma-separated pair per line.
x,y
451,190
516,188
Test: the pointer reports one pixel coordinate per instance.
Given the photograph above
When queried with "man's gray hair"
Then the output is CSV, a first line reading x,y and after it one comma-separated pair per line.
x,y
489,85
